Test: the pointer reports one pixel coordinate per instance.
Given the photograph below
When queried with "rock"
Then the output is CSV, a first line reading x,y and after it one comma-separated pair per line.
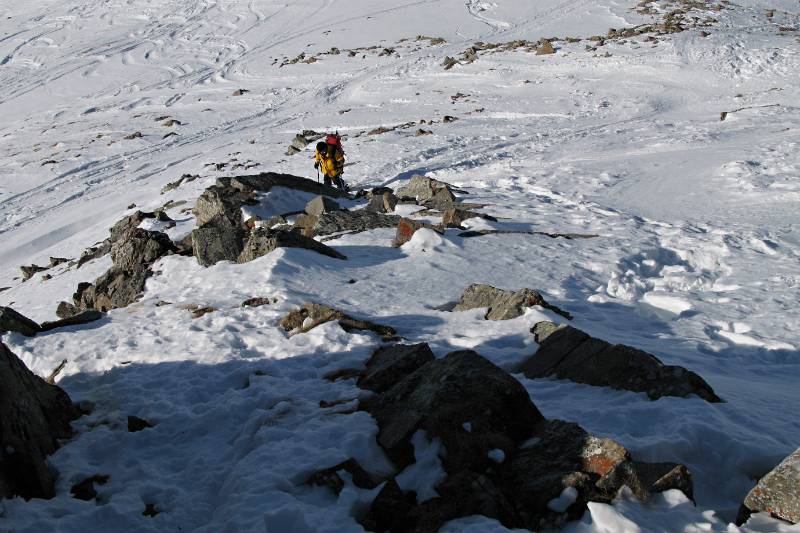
x,y
568,353
214,243
129,222
353,221
299,142
94,252
390,364
448,118
449,62
29,271
137,247
646,478
442,199
777,493
502,304
198,311
137,424
545,48
11,320
383,203
134,135
441,397
240,92
329,477
424,190
34,416
263,241
150,510
406,228
115,289
320,205
420,132
453,218
557,456
305,223
85,489
312,315
256,302
84,317
55,261
221,205
66,310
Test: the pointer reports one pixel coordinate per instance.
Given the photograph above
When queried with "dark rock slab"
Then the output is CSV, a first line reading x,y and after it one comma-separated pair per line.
x,y
568,353
11,320
138,246
84,317
33,417
646,478
777,493
263,241
426,191
136,424
442,396
312,315
353,221
503,304
115,289
390,364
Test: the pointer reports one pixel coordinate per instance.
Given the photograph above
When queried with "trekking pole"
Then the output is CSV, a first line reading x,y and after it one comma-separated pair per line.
x,y
317,175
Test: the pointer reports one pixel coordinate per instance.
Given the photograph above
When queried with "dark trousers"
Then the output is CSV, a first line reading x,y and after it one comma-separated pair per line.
x,y
337,181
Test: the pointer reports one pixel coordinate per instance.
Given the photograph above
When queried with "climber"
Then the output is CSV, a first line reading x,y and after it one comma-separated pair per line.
x,y
330,159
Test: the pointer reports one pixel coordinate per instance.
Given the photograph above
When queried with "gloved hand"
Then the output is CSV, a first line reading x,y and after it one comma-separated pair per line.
x,y
316,165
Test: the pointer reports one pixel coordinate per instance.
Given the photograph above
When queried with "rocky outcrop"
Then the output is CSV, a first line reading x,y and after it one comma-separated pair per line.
x,y
312,315
34,416
500,457
568,353
406,228
132,252
503,304
31,270
223,234
352,221
777,493
263,241
11,320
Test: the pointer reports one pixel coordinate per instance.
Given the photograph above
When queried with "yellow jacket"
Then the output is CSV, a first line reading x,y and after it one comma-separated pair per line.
x,y
331,166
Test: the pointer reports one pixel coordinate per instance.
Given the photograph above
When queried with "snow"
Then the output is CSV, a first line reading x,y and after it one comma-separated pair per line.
x,y
567,497
695,258
497,455
423,475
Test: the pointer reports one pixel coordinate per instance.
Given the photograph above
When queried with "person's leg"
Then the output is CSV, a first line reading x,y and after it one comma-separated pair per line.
x,y
327,180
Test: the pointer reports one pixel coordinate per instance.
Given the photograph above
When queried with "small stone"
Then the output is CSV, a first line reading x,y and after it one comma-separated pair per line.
x,y
137,424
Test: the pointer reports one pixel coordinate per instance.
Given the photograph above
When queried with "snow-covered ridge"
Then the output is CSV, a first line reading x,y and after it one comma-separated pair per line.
x,y
695,259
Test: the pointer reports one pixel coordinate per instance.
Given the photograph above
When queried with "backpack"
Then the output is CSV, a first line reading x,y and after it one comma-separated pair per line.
x,y
334,144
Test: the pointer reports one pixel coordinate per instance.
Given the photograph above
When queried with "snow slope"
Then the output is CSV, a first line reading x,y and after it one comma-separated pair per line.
x,y
695,260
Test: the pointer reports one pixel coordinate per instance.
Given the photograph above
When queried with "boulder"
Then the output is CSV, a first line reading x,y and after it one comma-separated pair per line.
x,y
390,364
568,353
423,190
383,203
646,478
443,198
84,317
406,228
777,493
453,218
222,204
11,320
137,246
545,48
33,417
214,243
321,204
115,289
66,310
55,261
312,315
352,221
263,241
503,304
443,398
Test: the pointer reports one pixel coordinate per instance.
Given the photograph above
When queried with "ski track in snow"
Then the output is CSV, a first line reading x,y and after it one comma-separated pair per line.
x,y
695,260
